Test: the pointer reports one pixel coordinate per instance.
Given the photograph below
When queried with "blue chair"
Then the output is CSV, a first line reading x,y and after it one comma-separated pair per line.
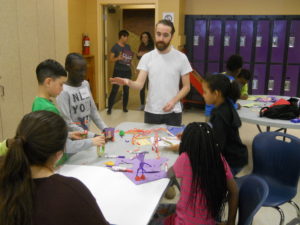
x,y
253,192
276,159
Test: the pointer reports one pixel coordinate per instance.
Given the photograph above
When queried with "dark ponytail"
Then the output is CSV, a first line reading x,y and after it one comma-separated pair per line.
x,y
228,88
39,136
209,176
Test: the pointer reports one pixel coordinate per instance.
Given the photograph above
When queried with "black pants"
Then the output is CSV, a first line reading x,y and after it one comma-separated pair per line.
x,y
172,119
115,88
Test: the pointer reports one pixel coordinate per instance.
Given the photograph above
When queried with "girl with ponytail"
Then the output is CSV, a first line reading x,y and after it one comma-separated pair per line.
x,y
223,94
30,192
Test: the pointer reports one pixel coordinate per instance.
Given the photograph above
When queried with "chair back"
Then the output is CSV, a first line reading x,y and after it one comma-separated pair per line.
x,y
276,157
253,192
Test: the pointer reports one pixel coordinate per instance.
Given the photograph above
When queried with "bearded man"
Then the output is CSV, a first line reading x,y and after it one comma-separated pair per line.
x,y
165,67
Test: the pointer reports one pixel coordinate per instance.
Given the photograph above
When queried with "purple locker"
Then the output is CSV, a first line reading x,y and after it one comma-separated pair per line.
x,y
278,41
294,43
262,41
214,40
291,81
230,38
245,40
274,82
199,40
199,67
246,66
213,68
259,79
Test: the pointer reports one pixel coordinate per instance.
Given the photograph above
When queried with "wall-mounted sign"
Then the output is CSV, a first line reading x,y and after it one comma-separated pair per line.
x,y
168,16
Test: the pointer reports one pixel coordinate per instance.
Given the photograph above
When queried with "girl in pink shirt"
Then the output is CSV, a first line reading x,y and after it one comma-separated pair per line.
x,y
206,181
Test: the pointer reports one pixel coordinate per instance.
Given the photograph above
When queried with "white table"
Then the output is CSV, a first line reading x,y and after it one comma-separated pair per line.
x,y
121,201
251,115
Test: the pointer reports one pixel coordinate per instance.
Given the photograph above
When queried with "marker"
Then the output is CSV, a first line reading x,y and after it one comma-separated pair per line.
x,y
166,167
121,169
114,156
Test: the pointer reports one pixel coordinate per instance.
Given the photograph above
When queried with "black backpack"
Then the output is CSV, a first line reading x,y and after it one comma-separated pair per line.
x,y
283,112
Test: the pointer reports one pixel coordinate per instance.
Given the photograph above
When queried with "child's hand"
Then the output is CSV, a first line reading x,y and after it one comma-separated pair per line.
x,y
174,148
179,135
76,135
99,140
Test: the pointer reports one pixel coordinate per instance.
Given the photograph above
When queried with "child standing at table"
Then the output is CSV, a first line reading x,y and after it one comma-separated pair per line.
x,y
51,76
243,79
223,93
30,191
75,102
204,177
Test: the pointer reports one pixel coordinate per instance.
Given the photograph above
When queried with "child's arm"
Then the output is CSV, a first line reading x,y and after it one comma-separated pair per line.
x,y
244,92
62,101
233,194
95,116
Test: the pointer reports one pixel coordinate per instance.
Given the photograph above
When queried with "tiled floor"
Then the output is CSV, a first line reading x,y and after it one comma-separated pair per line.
x,y
265,216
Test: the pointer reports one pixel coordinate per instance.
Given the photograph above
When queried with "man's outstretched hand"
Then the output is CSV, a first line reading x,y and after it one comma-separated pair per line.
x,y
119,81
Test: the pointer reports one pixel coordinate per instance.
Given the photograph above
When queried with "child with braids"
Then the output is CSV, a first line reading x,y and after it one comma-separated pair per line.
x,y
30,191
223,93
205,179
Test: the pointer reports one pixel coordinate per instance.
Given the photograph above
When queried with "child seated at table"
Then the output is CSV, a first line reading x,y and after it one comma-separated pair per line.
x,y
243,79
223,93
30,191
75,102
205,178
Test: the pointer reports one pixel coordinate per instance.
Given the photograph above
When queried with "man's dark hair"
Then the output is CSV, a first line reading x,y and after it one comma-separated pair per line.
x,y
123,33
245,74
167,23
234,63
49,68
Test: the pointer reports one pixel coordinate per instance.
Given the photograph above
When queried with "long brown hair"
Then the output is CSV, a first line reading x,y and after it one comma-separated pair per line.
x,y
39,136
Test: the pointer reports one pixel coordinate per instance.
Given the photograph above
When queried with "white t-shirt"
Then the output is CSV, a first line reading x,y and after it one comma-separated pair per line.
x,y
164,74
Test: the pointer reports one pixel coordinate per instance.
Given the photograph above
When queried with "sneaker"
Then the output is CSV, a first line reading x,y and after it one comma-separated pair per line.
x,y
125,110
141,108
108,112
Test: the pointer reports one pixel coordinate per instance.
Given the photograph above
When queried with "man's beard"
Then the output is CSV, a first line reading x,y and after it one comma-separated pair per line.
x,y
161,46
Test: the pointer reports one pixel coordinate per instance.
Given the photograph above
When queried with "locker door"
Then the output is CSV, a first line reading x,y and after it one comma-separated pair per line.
x,y
274,82
230,38
246,36
278,41
213,68
294,43
199,67
199,40
259,78
214,45
262,41
291,81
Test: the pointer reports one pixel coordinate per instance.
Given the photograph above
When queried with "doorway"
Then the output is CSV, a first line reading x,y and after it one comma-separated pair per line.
x,y
135,19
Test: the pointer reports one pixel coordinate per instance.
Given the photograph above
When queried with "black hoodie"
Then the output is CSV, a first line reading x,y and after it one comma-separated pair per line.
x,y
226,122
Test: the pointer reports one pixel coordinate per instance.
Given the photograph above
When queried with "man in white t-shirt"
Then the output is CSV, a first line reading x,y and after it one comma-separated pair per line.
x,y
165,67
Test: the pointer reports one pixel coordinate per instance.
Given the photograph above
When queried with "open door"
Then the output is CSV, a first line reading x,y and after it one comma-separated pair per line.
x,y
112,26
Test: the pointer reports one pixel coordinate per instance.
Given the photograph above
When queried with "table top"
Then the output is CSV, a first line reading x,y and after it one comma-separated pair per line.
x,y
251,115
121,201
